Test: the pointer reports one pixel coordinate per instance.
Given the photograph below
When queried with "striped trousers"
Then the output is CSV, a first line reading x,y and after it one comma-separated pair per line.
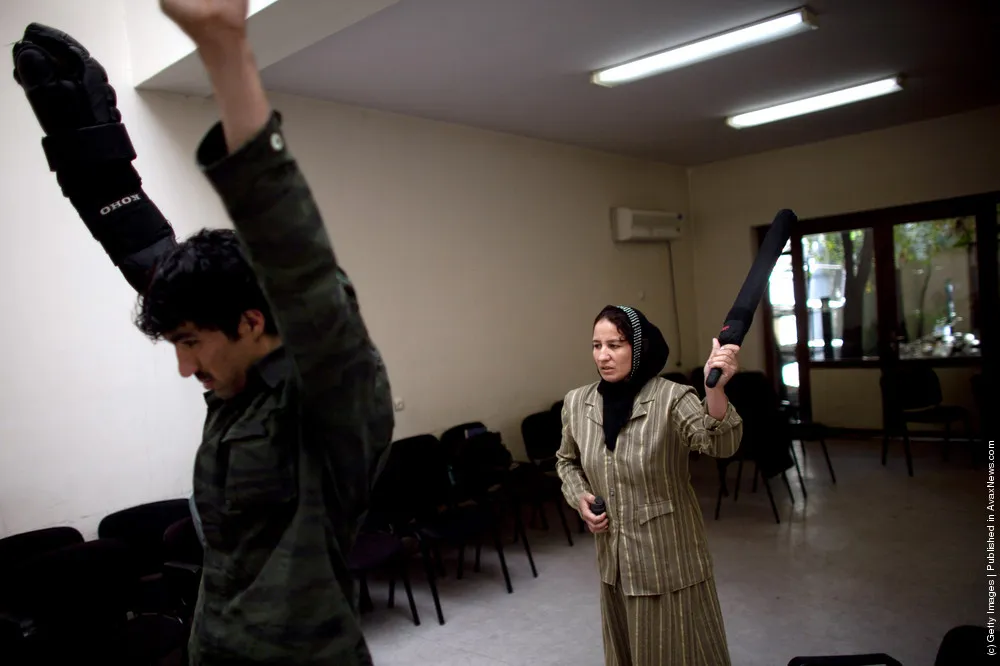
x,y
682,628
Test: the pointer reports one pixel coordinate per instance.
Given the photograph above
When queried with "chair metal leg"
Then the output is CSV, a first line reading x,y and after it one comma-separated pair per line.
x,y
770,496
392,592
739,476
798,470
906,449
503,562
519,526
784,477
409,591
885,447
479,551
722,490
366,598
826,453
429,572
565,524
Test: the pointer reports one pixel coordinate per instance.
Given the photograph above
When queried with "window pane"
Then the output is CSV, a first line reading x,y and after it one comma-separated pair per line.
x,y
937,277
840,290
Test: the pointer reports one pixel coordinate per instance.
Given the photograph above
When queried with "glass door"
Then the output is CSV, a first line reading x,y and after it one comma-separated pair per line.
x,y
853,296
938,313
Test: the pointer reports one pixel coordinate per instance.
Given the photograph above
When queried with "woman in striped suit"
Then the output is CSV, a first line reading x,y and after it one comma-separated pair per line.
x,y
626,439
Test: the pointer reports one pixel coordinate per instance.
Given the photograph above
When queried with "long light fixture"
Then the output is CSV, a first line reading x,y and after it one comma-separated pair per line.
x,y
817,103
761,32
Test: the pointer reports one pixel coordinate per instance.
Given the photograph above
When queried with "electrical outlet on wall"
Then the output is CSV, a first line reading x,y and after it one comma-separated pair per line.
x,y
398,404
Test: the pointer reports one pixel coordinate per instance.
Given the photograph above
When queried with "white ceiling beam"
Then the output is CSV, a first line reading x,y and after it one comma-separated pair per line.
x,y
163,58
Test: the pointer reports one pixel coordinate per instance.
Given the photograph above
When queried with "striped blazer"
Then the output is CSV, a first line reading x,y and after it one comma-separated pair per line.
x,y
656,534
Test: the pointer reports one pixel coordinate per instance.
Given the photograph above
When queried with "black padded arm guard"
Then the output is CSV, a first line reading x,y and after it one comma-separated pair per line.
x,y
89,149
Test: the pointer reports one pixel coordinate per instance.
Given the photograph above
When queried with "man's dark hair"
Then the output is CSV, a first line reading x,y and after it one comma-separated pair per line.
x,y
617,317
205,281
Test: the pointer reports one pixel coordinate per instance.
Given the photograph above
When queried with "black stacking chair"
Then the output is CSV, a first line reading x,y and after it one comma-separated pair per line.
x,y
912,394
538,482
482,489
142,527
766,441
78,598
16,552
414,489
375,550
962,646
874,659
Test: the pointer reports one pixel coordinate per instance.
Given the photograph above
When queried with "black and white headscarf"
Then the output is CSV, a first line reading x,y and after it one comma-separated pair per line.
x,y
649,356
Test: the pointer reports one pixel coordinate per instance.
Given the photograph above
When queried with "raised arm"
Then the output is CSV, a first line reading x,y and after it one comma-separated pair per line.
x,y
712,427
88,147
343,383
702,432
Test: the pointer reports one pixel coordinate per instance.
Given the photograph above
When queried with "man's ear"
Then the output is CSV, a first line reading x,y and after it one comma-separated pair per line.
x,y
254,323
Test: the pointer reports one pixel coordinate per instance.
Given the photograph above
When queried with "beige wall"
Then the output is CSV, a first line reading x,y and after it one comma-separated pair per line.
x,y
480,260
937,159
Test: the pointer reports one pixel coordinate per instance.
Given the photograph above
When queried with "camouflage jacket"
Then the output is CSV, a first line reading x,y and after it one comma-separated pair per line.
x,y
283,474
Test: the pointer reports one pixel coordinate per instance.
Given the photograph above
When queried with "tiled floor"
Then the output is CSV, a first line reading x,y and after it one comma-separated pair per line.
x,y
878,563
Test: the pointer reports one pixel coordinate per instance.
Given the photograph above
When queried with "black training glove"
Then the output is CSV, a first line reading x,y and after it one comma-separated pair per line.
x,y
89,149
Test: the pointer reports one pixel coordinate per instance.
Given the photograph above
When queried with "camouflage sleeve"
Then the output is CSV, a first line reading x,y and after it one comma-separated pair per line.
x,y
347,408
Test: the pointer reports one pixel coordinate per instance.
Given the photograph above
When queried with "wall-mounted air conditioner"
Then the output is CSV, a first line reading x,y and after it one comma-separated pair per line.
x,y
629,225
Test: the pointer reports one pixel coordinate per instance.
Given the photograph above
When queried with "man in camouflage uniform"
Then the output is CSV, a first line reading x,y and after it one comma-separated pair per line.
x,y
299,409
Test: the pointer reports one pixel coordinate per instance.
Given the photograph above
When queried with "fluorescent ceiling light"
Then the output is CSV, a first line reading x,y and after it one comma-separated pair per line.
x,y
764,31
818,103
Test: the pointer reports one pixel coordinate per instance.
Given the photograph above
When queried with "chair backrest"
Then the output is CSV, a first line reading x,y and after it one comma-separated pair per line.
x,y
181,543
142,528
698,381
85,584
478,463
873,659
414,481
911,387
961,646
766,434
676,377
542,434
19,548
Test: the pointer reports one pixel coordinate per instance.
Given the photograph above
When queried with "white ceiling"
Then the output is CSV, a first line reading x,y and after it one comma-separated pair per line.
x,y
523,66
